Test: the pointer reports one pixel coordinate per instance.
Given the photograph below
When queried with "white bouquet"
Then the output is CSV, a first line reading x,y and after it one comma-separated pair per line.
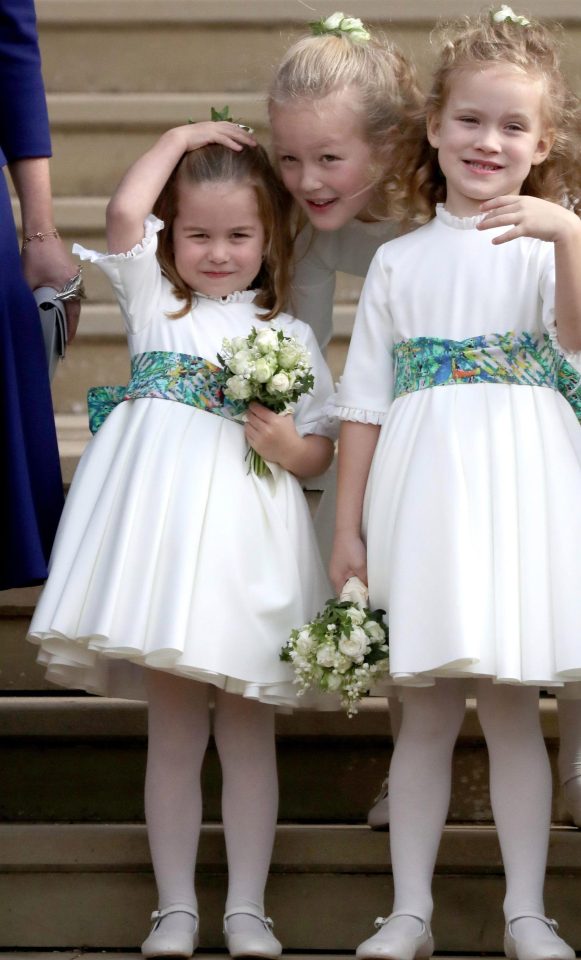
x,y
268,367
343,650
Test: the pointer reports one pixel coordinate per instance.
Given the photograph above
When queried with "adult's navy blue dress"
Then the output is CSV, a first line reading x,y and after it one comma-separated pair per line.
x,y
30,479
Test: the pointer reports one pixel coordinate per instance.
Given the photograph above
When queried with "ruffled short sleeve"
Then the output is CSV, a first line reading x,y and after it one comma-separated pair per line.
x,y
312,414
135,276
365,392
547,290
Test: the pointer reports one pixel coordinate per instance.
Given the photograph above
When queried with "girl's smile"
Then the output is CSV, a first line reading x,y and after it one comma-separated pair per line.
x,y
324,159
218,237
488,135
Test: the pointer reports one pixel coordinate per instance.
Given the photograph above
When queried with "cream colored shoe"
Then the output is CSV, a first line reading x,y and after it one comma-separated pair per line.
x,y
383,946
547,947
263,943
162,943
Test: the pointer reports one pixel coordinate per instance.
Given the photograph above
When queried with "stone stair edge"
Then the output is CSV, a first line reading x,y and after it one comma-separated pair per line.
x,y
147,110
79,716
50,954
312,848
227,12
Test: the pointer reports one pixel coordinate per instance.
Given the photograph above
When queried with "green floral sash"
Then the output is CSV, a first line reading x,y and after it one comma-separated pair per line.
x,y
423,362
166,376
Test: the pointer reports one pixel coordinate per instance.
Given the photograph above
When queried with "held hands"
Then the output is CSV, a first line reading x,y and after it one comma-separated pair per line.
x,y
529,217
348,559
46,263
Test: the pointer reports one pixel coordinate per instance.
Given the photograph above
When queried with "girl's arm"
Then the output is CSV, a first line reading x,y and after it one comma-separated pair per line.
x,y
532,217
357,442
276,439
140,187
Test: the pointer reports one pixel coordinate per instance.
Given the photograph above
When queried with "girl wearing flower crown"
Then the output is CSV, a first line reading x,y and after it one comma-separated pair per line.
x,y
177,574
460,460
336,101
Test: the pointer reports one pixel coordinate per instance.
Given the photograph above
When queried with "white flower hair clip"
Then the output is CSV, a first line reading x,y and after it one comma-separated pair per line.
x,y
507,14
338,24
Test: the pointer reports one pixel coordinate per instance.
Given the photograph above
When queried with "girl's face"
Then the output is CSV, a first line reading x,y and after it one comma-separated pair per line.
x,y
324,159
488,135
218,237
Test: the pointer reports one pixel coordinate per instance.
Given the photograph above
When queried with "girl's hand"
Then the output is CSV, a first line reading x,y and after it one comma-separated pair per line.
x,y
528,217
272,435
222,131
348,559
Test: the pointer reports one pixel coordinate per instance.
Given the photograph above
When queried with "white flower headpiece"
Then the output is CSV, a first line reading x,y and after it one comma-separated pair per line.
x,y
338,24
507,14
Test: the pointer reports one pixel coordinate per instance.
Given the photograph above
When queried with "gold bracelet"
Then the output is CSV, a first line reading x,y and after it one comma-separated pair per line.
x,y
39,236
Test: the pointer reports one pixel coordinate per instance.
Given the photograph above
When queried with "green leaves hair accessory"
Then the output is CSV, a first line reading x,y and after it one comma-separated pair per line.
x,y
224,114
339,25
507,15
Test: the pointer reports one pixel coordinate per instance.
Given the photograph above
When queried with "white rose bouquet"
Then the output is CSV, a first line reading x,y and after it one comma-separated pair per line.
x,y
268,367
343,650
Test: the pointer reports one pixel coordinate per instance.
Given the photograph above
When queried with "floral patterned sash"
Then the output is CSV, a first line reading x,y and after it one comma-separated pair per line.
x,y
423,362
166,376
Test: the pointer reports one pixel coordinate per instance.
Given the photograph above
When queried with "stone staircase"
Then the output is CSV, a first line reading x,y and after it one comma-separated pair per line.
x,y
74,865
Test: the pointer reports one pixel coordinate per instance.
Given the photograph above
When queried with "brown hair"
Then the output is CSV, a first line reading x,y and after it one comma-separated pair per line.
x,y
215,163
316,66
478,42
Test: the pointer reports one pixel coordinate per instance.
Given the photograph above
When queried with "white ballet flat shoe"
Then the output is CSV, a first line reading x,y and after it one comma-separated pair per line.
x,y
263,943
572,798
548,947
382,946
378,816
162,943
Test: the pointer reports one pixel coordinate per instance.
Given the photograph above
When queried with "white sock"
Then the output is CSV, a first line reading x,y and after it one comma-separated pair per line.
x,y
520,791
419,790
244,734
179,729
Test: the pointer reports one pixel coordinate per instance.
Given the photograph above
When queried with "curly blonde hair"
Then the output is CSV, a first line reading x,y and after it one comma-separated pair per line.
x,y
316,66
215,163
417,183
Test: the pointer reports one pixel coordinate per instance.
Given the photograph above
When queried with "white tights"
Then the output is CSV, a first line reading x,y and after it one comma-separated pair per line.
x,y
179,728
570,739
420,785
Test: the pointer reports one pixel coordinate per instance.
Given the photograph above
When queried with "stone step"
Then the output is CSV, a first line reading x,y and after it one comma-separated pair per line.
x,y
215,44
330,768
108,955
92,886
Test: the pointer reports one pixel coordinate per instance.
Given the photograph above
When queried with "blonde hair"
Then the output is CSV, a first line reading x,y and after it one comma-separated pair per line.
x,y
316,66
479,42
215,163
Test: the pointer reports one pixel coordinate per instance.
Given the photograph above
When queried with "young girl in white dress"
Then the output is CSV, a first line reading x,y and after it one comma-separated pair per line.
x,y
460,460
335,101
176,574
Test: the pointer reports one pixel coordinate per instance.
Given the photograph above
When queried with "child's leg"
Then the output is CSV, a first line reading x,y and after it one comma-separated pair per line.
x,y
179,729
570,755
520,793
419,797
378,815
244,734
